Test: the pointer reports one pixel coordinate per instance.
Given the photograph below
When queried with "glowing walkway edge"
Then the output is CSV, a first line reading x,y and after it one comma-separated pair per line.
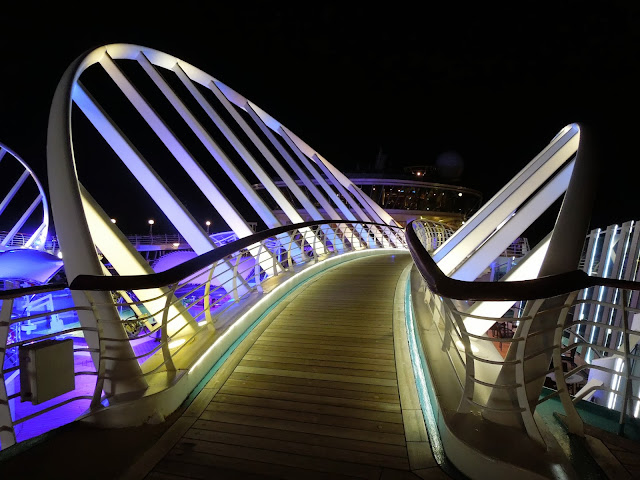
x,y
424,384
265,299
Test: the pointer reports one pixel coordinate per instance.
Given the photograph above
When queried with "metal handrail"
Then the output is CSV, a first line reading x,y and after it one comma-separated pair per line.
x,y
450,323
193,266
169,311
543,287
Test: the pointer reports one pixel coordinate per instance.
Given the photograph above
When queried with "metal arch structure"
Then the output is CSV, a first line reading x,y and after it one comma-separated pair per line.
x,y
62,162
12,238
566,166
82,224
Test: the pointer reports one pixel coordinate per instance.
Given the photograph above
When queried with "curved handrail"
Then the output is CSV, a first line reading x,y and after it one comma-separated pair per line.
x,y
543,287
172,275
190,267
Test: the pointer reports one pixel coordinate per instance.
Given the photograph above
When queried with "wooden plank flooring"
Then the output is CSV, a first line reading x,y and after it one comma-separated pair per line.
x,y
314,394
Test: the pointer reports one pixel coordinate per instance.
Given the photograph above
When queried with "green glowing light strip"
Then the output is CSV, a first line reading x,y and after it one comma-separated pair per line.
x,y
423,381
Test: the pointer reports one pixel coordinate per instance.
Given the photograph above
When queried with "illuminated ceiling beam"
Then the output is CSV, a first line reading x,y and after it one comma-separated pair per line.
x,y
258,205
526,269
485,221
25,216
177,149
251,162
305,201
330,212
482,256
262,176
355,197
331,195
223,160
143,172
128,261
39,237
36,238
12,193
365,199
202,180
353,204
279,169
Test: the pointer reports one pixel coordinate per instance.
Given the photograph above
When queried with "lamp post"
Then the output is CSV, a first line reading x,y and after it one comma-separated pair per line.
x,y
208,224
151,222
113,220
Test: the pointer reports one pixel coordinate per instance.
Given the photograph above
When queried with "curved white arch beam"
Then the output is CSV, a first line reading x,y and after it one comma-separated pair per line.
x,y
492,228
82,225
150,60
514,208
38,239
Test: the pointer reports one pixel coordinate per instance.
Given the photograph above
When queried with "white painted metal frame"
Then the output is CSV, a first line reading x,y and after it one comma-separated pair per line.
x,y
38,239
182,353
82,224
511,210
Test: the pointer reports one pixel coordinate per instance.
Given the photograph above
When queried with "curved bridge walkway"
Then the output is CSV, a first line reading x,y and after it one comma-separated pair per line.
x,y
317,390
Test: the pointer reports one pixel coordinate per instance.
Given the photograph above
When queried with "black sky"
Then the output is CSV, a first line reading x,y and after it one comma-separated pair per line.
x,y
493,85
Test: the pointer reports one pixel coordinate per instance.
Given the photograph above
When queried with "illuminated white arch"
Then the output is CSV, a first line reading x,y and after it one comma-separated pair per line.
x,y
82,224
513,209
38,239
153,62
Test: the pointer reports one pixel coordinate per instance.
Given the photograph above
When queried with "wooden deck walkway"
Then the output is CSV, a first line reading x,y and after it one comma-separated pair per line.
x,y
312,392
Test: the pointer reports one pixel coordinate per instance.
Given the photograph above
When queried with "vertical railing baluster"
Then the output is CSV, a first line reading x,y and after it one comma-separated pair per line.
x,y
164,337
96,399
207,296
313,249
627,389
521,378
575,424
7,433
234,280
257,275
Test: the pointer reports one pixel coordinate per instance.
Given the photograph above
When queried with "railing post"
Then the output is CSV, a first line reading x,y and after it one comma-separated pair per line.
x,y
275,259
257,268
575,424
96,399
313,248
7,433
207,297
452,320
234,282
627,389
164,338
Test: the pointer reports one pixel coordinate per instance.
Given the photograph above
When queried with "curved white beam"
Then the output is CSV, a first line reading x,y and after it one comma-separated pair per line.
x,y
38,239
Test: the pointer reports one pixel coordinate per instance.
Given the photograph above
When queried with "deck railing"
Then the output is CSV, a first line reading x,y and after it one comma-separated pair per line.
x,y
498,386
172,318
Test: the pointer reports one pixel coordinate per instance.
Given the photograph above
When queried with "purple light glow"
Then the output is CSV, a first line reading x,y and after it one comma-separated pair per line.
x,y
85,385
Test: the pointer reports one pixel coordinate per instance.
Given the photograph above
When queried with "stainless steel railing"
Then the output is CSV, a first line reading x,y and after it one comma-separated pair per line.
x,y
171,317
494,385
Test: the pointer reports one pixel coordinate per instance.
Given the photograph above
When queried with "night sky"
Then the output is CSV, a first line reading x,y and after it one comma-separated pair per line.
x,y
495,87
